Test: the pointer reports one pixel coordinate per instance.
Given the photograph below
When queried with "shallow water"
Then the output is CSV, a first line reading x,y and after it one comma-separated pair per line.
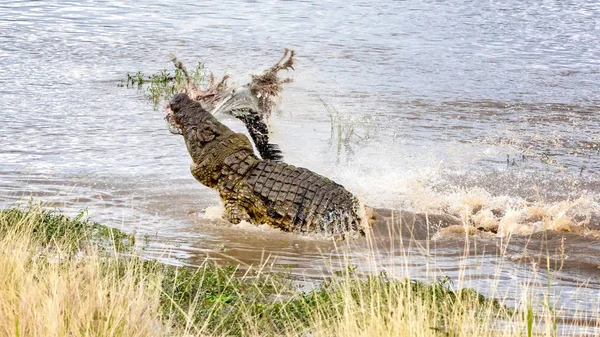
x,y
456,105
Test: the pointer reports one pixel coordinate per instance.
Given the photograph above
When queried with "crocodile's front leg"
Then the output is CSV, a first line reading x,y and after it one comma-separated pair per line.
x,y
234,213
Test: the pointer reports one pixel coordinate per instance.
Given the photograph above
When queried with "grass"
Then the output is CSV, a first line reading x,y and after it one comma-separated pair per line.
x,y
72,277
54,282
68,235
160,86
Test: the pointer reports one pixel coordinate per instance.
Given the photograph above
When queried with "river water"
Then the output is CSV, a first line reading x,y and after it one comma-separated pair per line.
x,y
455,106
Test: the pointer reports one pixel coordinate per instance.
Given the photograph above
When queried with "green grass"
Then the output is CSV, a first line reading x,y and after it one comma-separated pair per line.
x,y
160,86
50,228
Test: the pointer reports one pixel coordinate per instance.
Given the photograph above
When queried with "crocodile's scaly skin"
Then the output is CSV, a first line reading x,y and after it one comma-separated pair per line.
x,y
261,191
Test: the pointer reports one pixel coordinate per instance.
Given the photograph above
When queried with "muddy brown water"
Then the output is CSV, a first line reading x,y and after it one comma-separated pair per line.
x,y
456,107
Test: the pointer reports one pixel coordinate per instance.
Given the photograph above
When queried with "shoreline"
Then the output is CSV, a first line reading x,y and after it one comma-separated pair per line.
x,y
216,299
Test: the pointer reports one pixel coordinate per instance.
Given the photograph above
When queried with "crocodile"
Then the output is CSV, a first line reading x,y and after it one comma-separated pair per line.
x,y
258,191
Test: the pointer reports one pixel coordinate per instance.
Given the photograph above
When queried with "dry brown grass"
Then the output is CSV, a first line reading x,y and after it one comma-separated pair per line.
x,y
43,293
48,291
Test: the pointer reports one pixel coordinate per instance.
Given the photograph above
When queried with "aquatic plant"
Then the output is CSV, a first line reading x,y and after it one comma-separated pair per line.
x,y
347,131
160,86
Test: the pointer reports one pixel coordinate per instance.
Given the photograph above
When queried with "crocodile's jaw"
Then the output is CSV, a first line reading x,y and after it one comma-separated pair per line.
x,y
173,127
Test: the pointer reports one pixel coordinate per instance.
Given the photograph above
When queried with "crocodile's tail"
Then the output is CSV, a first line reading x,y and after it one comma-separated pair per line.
x,y
271,152
243,104
260,135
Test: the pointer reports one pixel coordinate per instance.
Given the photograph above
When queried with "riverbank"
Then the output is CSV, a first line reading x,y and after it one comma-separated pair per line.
x,y
73,277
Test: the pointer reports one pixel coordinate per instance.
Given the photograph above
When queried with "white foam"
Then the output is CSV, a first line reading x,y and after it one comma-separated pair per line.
x,y
213,212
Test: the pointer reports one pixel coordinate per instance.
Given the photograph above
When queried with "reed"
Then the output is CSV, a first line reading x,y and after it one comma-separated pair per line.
x,y
347,131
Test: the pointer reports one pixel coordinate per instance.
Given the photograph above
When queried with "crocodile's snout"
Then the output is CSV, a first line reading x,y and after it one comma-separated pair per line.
x,y
173,111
